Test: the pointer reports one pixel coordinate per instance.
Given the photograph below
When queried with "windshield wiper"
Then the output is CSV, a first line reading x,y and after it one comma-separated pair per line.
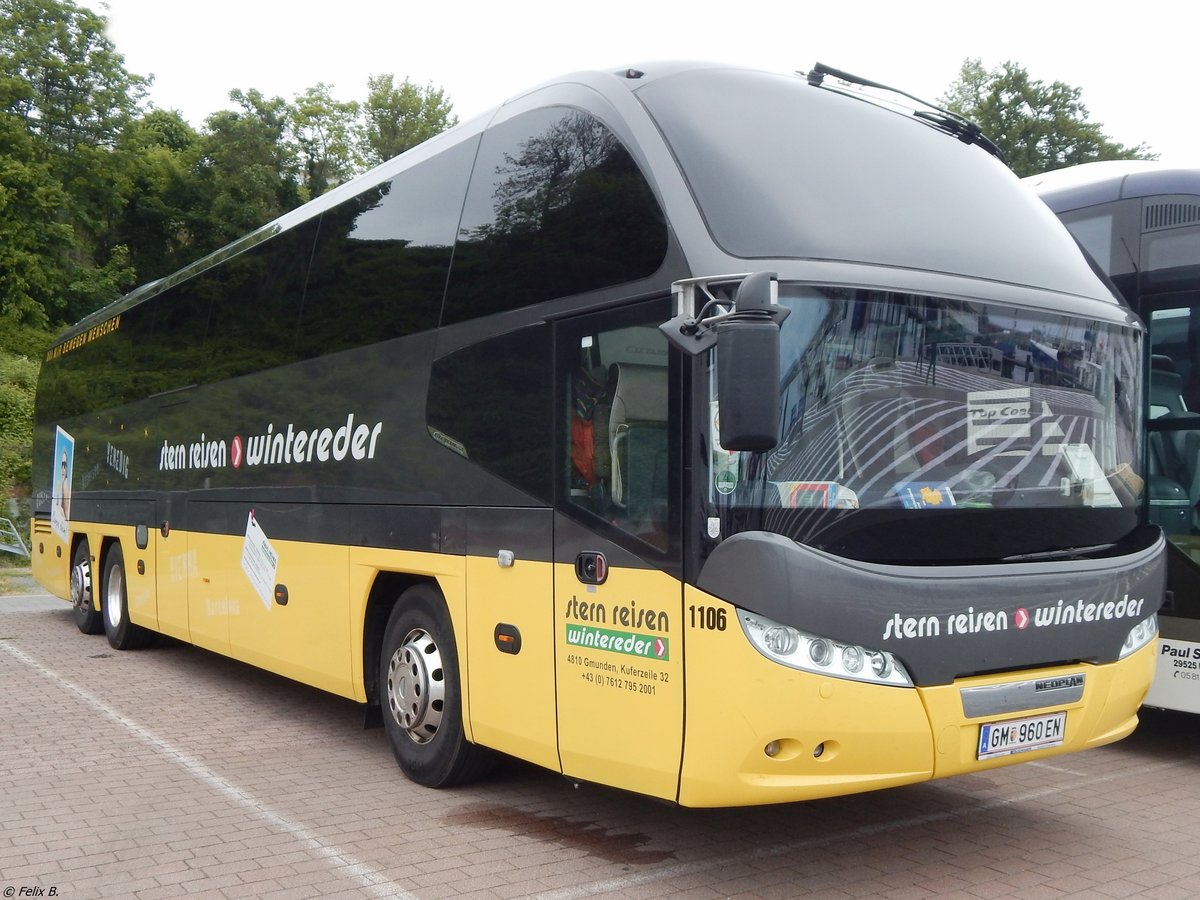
x,y
936,116
1066,553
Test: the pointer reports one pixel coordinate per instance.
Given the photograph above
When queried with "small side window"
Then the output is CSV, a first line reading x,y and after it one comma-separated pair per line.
x,y
491,403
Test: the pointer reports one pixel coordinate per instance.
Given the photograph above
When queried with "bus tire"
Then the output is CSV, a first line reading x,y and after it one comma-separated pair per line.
x,y
122,634
420,693
87,617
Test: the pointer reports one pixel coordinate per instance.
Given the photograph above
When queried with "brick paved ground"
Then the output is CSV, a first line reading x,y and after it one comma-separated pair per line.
x,y
172,772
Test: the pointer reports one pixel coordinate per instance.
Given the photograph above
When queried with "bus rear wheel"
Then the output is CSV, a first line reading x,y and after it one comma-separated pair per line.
x,y
87,617
122,634
421,694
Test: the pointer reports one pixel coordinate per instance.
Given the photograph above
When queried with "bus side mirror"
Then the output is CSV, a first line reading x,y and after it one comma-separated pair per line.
x,y
748,367
745,332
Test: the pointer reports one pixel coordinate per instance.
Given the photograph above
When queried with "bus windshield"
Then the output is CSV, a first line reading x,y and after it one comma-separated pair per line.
x,y
918,429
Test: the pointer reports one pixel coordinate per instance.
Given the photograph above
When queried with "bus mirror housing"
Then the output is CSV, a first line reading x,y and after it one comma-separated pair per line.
x,y
746,334
748,367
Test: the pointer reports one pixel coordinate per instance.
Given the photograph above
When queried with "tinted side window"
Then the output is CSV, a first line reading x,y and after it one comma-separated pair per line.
x,y
557,206
252,324
379,271
1110,234
178,356
1171,258
491,403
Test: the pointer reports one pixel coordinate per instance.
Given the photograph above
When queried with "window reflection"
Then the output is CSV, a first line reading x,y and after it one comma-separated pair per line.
x,y
901,402
557,206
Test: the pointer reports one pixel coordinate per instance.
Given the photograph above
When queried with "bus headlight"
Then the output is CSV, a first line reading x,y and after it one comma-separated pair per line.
x,y
811,653
1140,635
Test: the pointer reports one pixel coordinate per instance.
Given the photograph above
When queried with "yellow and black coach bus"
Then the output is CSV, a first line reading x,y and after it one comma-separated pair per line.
x,y
722,436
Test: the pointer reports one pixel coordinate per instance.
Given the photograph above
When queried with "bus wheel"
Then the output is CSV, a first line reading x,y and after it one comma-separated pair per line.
x,y
87,617
122,634
421,696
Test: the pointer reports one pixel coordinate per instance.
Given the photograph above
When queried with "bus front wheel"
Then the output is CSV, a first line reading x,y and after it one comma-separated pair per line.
x,y
87,617
122,634
422,696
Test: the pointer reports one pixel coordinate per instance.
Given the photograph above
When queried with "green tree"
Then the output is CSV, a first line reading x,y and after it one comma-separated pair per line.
x,y
18,379
81,93
1038,126
397,118
323,129
21,346
157,155
248,168
33,243
73,98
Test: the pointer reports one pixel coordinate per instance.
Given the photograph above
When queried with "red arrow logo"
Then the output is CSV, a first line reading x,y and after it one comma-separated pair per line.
x,y
235,451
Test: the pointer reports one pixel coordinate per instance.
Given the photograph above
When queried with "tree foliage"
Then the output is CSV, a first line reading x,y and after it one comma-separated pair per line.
x,y
18,378
397,118
324,131
1039,127
67,90
100,191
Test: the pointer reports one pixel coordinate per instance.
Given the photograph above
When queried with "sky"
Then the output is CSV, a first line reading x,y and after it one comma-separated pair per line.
x,y
1135,63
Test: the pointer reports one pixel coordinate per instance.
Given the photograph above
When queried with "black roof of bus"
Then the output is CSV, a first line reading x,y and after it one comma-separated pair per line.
x,y
1094,183
783,169
819,177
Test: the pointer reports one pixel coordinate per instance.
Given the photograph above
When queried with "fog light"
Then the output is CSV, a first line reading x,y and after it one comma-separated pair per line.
x,y
772,749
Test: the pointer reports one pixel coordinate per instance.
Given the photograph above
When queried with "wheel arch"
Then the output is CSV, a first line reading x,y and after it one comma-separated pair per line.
x,y
384,595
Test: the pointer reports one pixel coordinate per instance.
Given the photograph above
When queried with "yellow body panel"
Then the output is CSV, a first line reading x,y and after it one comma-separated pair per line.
x,y
620,691
140,594
176,566
512,706
738,702
307,639
50,559
598,689
211,591
834,736
1106,712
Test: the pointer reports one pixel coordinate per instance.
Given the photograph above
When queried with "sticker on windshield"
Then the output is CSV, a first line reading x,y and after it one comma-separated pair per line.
x,y
822,494
924,494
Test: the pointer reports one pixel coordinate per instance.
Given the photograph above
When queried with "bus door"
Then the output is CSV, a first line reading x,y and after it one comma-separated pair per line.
x,y
1173,416
1173,489
618,607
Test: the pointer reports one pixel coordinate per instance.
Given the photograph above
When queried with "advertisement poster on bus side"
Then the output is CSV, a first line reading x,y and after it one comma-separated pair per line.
x,y
1176,682
60,483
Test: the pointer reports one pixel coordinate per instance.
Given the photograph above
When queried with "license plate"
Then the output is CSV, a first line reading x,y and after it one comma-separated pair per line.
x,y
1021,735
